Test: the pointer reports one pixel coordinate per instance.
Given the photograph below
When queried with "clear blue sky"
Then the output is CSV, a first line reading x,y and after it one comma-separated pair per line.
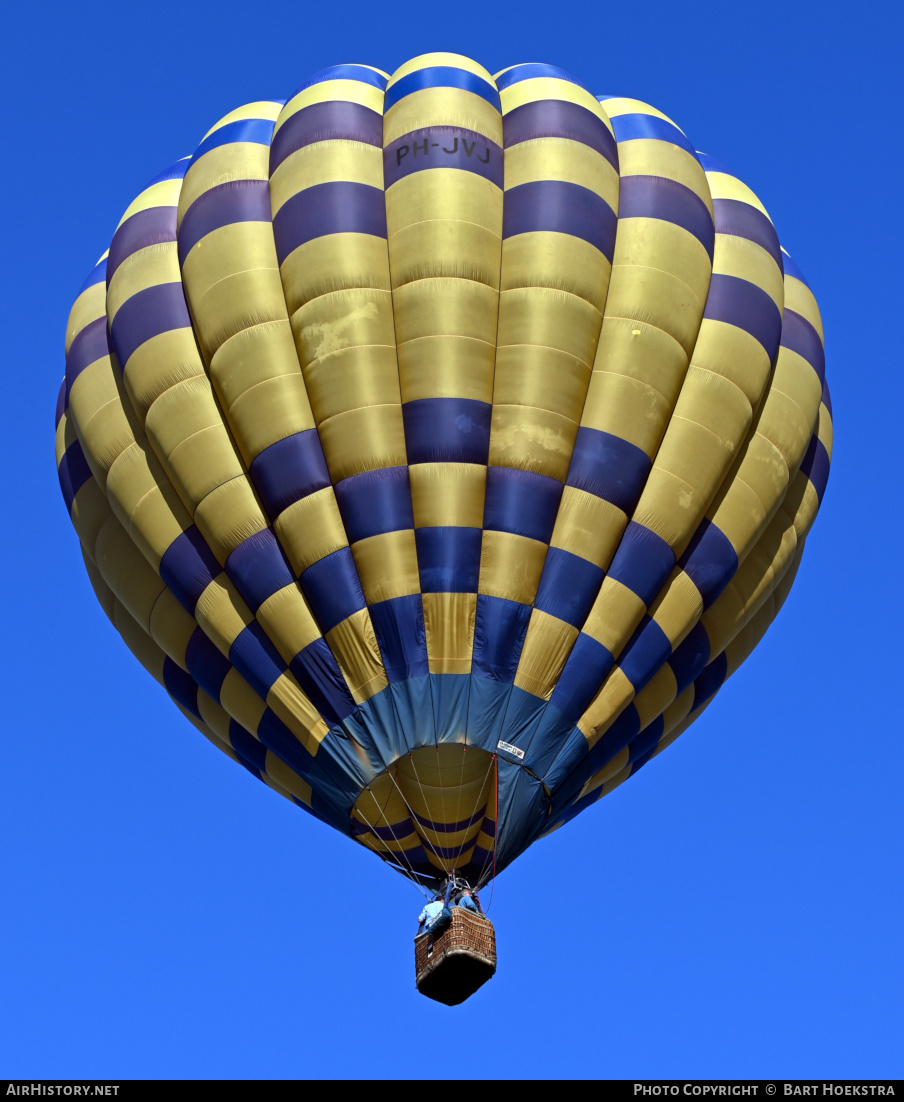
x,y
165,916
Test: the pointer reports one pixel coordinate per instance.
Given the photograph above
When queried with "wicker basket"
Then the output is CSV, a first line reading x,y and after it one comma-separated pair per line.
x,y
450,967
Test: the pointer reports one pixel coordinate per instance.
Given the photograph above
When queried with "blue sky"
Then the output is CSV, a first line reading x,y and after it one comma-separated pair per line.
x,y
735,910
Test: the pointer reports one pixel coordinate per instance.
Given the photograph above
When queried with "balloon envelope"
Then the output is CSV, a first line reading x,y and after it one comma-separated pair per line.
x,y
441,443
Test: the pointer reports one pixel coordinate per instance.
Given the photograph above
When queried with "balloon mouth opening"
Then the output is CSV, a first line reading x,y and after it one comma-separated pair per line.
x,y
432,813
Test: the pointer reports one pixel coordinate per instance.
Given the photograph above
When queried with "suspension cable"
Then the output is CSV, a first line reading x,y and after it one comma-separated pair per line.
x,y
442,798
495,835
411,811
461,779
480,882
404,855
476,806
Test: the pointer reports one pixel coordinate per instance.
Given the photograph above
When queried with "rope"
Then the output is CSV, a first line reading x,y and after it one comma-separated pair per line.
x,y
423,837
465,840
461,778
486,860
413,874
442,799
385,802
495,836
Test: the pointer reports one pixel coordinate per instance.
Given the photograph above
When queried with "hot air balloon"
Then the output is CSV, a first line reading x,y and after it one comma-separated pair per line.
x,y
441,442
